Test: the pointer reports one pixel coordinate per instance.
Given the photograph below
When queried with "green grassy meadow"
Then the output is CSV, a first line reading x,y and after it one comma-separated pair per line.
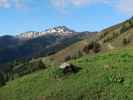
x,y
106,76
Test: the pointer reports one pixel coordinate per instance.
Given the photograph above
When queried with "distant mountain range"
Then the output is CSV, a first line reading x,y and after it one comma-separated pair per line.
x,y
35,44
58,31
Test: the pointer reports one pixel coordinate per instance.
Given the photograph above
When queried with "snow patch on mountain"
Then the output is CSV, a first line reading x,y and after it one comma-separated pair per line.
x,y
59,31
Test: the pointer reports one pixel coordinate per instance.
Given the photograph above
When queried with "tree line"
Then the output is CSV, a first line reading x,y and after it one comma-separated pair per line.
x,y
10,71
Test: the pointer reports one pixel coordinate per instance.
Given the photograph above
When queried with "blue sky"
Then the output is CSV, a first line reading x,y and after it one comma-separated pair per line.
x,y
18,16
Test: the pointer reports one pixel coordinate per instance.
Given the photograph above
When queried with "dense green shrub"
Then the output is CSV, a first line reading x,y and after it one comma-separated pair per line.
x,y
93,46
41,65
67,58
127,25
103,35
77,54
111,36
2,79
125,41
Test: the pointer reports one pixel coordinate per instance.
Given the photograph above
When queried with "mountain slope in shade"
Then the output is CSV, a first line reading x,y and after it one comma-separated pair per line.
x,y
30,44
8,41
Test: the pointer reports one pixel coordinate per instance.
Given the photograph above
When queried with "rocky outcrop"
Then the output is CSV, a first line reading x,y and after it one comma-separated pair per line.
x,y
69,68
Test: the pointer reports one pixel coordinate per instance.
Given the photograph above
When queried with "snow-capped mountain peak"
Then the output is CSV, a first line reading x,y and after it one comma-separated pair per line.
x,y
60,30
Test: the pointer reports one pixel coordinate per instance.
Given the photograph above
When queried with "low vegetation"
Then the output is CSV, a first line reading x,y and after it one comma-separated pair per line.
x,y
106,76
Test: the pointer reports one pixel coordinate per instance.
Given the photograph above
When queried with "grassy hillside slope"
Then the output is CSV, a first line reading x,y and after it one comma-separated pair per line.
x,y
118,34
106,76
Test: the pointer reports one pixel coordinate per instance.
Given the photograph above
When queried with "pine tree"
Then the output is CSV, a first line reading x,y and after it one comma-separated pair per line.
x,y
2,79
41,65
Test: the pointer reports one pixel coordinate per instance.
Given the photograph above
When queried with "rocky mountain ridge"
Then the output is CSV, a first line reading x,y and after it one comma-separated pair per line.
x,y
58,31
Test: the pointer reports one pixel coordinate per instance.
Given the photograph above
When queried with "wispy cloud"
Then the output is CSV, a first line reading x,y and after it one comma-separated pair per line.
x,y
79,2
59,4
12,3
4,3
124,6
76,3
62,4
20,4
